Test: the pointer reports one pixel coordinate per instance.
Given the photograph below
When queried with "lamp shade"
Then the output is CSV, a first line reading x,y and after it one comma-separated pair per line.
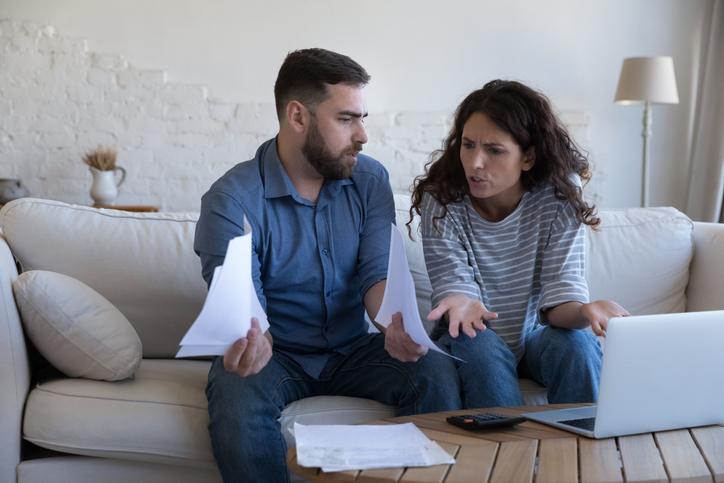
x,y
647,79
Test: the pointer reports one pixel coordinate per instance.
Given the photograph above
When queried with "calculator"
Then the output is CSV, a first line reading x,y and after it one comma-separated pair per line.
x,y
484,420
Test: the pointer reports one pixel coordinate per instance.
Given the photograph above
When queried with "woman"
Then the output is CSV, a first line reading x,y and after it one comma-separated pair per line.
x,y
502,223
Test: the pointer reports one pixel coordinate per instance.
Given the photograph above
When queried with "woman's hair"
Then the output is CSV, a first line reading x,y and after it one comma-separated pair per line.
x,y
527,116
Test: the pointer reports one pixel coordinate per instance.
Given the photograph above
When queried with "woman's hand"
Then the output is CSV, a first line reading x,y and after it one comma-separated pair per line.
x,y
599,312
462,314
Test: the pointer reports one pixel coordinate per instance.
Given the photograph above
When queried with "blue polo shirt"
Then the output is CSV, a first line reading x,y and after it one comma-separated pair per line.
x,y
311,264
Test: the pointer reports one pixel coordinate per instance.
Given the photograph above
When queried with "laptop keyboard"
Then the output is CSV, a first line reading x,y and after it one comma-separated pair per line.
x,y
584,423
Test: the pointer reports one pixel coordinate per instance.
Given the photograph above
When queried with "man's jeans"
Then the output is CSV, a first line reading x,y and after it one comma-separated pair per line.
x,y
245,432
567,362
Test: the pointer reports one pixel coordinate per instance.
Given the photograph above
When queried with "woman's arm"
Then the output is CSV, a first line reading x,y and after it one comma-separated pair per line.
x,y
577,315
564,300
455,292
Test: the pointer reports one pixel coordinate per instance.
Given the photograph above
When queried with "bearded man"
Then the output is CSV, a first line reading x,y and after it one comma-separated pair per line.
x,y
320,214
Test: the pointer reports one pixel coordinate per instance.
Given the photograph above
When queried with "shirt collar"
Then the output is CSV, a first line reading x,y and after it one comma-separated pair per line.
x,y
276,180
277,183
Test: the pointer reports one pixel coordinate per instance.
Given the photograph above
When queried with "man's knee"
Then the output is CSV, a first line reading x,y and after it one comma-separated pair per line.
x,y
232,398
436,382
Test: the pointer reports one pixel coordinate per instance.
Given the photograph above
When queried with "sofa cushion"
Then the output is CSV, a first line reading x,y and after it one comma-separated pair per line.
x,y
75,328
640,258
143,263
159,416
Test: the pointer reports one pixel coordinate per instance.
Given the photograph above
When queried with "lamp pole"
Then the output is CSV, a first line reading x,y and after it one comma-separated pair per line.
x,y
646,134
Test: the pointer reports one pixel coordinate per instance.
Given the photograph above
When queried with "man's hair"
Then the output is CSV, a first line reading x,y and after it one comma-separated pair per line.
x,y
305,75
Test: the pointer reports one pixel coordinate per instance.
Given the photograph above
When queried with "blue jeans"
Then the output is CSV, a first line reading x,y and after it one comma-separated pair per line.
x,y
245,432
567,362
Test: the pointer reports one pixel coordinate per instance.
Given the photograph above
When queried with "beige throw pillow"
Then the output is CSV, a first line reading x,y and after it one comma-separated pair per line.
x,y
75,328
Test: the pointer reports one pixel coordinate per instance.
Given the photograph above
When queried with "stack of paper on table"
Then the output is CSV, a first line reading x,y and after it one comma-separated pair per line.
x,y
361,447
229,306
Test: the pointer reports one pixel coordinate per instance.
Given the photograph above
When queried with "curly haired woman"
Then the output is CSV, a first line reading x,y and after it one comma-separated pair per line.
x,y
502,224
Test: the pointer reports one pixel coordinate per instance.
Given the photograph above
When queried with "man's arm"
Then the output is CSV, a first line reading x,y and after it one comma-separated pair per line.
x,y
221,220
398,343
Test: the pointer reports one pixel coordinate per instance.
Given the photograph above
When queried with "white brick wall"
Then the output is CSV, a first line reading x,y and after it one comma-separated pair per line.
x,y
57,101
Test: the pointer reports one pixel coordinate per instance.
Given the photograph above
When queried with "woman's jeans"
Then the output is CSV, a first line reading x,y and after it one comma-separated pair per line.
x,y
246,435
566,361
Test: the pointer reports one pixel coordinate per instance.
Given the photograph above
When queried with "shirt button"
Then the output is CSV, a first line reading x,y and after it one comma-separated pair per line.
x,y
324,252
328,294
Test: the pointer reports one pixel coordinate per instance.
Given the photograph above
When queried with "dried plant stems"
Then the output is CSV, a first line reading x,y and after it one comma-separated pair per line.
x,y
103,159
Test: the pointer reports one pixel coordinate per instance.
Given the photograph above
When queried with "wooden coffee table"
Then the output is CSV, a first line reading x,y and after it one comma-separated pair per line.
x,y
535,453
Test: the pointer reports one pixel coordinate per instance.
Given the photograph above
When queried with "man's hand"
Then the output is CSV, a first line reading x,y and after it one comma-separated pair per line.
x,y
463,314
597,313
249,354
399,344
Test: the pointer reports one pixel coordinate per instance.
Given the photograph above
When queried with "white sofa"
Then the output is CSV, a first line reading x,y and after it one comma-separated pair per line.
x,y
153,428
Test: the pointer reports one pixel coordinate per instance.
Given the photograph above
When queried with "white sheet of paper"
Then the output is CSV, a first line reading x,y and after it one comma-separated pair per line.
x,y
229,306
360,447
400,295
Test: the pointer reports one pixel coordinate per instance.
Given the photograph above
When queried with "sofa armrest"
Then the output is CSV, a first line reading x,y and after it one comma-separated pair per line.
x,y
705,290
14,368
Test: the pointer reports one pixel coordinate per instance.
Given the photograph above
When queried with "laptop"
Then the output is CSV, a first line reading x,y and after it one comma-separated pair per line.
x,y
659,372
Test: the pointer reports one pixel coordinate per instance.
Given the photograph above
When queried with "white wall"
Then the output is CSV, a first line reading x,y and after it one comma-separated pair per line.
x,y
424,57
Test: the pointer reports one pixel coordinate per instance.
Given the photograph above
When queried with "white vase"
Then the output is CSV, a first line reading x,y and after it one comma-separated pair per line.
x,y
105,188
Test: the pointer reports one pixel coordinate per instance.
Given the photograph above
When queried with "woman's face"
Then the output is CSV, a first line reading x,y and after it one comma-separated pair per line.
x,y
493,162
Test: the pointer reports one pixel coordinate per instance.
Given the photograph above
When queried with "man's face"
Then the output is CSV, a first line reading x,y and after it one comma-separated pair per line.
x,y
336,132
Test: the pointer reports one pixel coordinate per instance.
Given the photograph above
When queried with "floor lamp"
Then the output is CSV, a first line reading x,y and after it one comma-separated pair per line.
x,y
646,81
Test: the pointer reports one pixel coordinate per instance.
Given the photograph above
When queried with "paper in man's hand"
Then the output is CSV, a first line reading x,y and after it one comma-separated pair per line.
x,y
229,306
400,295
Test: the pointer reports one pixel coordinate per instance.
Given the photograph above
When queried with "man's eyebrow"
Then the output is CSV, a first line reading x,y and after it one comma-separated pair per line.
x,y
352,114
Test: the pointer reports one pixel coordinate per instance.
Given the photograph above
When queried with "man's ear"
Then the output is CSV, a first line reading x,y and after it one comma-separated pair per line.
x,y
529,159
297,116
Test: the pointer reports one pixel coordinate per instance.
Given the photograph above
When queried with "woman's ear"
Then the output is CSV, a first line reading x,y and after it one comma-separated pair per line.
x,y
529,159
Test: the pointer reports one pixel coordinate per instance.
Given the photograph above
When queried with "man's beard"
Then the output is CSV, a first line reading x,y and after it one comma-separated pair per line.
x,y
322,159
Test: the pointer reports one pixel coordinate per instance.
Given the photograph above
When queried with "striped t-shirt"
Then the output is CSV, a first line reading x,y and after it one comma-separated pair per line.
x,y
531,261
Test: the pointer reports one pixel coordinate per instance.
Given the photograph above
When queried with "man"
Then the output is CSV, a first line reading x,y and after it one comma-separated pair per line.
x,y
320,214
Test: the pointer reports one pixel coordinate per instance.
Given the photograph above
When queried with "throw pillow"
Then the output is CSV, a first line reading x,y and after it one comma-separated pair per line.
x,y
75,328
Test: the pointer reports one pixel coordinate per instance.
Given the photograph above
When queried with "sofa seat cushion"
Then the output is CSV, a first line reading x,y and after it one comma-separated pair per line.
x,y
160,416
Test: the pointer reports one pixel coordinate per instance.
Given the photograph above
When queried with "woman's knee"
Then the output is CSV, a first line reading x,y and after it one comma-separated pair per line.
x,y
486,346
577,344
